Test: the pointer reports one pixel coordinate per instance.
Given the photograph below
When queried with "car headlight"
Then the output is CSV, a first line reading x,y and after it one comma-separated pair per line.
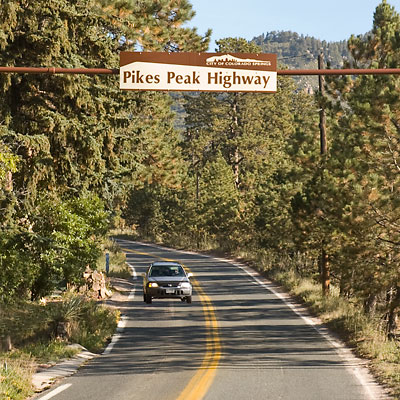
x,y
186,285
153,284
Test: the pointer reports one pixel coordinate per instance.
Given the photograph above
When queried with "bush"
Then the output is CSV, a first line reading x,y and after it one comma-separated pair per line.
x,y
16,377
83,321
33,328
118,266
55,243
97,324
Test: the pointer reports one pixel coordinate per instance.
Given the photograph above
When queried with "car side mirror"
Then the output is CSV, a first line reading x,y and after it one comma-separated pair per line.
x,y
189,275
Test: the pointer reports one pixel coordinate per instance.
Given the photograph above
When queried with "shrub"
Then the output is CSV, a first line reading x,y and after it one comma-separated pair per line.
x,y
16,377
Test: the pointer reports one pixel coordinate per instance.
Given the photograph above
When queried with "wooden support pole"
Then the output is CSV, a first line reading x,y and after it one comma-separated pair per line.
x,y
324,260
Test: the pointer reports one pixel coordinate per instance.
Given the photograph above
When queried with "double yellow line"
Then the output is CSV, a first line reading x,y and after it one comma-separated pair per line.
x,y
201,381
198,386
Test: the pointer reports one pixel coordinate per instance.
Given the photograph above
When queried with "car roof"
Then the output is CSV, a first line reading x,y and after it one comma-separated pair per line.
x,y
164,263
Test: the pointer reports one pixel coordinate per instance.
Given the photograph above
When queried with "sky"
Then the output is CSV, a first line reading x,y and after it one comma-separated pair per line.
x,y
331,20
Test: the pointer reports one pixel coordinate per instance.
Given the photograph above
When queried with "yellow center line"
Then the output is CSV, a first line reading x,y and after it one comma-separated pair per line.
x,y
198,386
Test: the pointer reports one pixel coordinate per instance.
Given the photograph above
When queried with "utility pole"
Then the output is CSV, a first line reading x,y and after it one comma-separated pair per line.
x,y
324,261
322,116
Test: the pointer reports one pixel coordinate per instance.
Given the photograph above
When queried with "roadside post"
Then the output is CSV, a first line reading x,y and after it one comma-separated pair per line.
x,y
107,263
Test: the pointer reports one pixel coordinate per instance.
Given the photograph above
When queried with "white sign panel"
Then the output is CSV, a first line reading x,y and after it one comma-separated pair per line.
x,y
151,76
220,73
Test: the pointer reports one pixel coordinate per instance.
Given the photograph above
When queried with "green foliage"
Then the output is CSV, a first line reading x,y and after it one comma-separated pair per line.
x,y
218,203
16,377
96,325
8,163
254,135
55,243
32,328
68,310
48,351
155,210
118,267
23,322
243,172
361,205
156,26
77,133
88,323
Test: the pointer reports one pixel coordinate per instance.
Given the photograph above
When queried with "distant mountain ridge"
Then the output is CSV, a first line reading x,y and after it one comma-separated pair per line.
x,y
229,57
301,52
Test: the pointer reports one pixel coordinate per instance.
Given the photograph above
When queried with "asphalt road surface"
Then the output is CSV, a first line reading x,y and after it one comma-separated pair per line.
x,y
237,340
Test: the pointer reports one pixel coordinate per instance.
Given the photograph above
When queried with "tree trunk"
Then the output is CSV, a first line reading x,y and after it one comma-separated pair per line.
x,y
5,344
325,273
234,135
370,304
236,167
393,315
325,269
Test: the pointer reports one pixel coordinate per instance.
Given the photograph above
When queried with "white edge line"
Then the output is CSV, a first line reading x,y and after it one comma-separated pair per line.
x,y
120,327
122,322
361,373
134,277
55,392
133,270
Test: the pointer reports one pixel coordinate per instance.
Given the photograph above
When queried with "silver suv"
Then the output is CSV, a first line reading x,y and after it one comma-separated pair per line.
x,y
165,280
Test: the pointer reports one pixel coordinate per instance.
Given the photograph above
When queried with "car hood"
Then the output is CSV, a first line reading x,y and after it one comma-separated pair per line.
x,y
176,279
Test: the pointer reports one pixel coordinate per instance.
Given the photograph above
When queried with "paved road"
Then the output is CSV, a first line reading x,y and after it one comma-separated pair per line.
x,y
237,340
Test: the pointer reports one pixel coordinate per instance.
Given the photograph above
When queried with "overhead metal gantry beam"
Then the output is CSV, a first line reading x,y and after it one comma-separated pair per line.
x,y
109,71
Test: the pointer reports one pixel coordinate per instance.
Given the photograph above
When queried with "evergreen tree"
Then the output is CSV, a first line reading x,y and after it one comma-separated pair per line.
x,y
252,132
218,203
74,134
361,200
8,164
156,25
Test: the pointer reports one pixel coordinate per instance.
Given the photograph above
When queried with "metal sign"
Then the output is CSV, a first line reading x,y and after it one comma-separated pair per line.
x,y
211,72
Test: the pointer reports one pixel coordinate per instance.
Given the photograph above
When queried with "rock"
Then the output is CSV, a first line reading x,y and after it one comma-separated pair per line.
x,y
96,282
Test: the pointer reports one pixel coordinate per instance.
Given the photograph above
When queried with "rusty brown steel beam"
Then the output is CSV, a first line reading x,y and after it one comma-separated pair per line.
x,y
115,71
54,70
354,71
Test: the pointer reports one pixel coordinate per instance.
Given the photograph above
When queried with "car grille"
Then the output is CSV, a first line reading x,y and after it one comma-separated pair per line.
x,y
169,284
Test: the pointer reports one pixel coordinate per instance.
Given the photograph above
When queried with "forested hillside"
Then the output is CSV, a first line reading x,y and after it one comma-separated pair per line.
x,y
301,52
78,156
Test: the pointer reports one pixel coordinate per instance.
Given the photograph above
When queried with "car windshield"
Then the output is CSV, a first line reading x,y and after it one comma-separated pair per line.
x,y
166,270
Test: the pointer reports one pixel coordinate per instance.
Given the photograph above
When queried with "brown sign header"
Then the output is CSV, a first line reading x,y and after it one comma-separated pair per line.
x,y
248,61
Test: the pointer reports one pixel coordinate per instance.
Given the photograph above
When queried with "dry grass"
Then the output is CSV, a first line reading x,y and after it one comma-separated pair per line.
x,y
117,267
16,376
92,325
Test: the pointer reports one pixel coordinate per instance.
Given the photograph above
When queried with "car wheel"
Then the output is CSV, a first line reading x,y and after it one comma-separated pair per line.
x,y
189,299
148,299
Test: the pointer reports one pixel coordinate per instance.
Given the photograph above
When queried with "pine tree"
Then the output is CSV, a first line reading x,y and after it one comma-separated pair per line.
x,y
74,134
156,25
252,132
218,203
363,206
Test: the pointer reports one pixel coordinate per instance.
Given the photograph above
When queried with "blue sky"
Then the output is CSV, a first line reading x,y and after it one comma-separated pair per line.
x,y
330,20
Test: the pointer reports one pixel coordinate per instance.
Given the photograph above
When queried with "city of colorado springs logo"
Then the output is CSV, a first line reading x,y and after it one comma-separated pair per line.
x,y
228,59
